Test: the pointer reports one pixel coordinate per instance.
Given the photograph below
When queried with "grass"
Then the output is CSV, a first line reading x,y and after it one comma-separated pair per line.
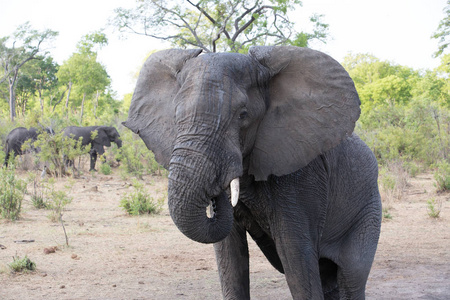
x,y
22,264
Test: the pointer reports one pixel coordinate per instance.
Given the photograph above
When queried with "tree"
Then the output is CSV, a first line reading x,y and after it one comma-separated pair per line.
x,y
379,82
84,71
443,32
36,77
26,45
218,25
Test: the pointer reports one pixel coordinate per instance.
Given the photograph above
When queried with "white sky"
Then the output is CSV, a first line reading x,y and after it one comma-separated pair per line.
x,y
394,30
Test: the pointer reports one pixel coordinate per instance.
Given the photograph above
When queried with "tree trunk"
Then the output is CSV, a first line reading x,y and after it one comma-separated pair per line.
x,y
68,94
82,108
96,105
41,101
12,98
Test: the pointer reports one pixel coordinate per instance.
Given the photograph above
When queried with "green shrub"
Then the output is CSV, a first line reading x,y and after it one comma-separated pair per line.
x,y
22,264
37,192
135,158
139,202
387,214
12,192
57,200
442,176
105,169
56,148
434,207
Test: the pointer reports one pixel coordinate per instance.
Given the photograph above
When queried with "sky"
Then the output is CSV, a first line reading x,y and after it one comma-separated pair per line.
x,y
395,30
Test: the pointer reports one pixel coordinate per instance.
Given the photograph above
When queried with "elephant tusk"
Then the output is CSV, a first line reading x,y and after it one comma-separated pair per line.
x,y
234,187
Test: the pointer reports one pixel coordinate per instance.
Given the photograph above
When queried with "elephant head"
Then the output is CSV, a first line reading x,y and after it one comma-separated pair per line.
x,y
106,135
214,117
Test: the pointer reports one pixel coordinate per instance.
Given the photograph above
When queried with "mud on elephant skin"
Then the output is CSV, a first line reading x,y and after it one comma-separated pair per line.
x,y
18,136
105,136
276,125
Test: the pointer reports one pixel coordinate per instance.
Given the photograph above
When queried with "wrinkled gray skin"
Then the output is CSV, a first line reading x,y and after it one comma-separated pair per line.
x,y
104,137
280,119
17,137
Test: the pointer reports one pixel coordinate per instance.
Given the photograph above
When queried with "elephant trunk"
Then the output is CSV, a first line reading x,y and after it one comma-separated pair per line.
x,y
118,142
192,188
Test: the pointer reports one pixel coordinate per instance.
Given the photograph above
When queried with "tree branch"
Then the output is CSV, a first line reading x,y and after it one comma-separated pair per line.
x,y
252,19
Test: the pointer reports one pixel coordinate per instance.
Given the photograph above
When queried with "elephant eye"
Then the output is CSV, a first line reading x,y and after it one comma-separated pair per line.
x,y
243,115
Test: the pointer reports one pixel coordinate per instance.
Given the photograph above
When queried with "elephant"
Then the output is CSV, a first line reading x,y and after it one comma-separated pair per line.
x,y
105,136
265,142
17,137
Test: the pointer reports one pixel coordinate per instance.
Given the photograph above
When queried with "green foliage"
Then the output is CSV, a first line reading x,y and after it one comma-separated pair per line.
x,y
139,202
56,148
443,32
12,191
57,200
217,25
386,214
22,264
418,131
27,44
134,156
37,192
434,207
442,175
105,169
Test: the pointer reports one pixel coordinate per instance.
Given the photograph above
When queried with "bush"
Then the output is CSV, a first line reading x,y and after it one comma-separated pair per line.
x,y
22,264
55,149
57,200
140,202
105,169
12,192
135,157
37,192
442,176
434,207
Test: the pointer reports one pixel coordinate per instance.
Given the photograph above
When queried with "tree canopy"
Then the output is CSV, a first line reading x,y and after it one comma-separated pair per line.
x,y
219,25
443,32
15,51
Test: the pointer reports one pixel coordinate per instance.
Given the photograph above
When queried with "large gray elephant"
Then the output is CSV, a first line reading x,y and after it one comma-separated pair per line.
x,y
273,128
105,135
17,137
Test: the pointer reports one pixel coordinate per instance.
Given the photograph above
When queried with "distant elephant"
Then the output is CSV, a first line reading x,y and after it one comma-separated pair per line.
x,y
273,128
104,137
17,137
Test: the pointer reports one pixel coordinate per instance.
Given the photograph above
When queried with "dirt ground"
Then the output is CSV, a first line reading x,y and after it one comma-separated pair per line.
x,y
114,256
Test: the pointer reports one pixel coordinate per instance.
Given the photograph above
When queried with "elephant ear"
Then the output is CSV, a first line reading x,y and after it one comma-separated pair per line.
x,y
152,110
313,105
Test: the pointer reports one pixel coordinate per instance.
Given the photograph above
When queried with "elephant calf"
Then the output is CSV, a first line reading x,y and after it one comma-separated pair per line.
x,y
105,135
17,137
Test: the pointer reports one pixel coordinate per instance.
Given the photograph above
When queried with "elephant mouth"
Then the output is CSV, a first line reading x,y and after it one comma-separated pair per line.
x,y
232,193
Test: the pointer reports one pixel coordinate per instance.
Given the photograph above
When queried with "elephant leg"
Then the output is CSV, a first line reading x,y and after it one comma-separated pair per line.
x,y
6,159
233,264
93,161
300,264
356,256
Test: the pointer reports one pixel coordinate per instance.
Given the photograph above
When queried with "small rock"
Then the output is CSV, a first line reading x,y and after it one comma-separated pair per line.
x,y
50,250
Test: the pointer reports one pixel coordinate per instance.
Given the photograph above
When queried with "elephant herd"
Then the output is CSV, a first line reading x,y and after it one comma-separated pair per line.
x,y
105,135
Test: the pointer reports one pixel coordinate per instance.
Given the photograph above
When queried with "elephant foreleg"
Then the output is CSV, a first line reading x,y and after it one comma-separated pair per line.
x,y
93,160
233,264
